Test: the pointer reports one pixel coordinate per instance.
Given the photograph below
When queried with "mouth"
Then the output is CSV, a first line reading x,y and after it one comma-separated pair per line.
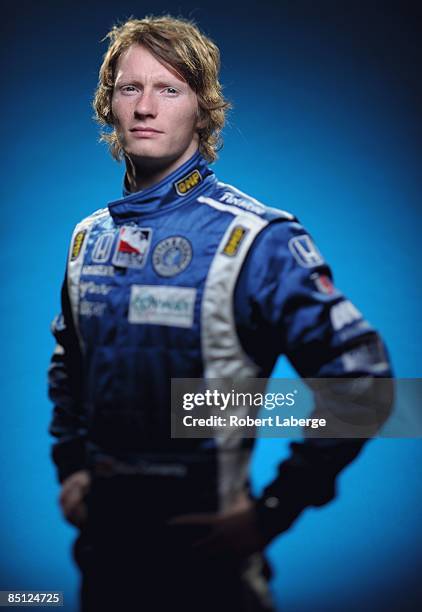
x,y
145,130
144,133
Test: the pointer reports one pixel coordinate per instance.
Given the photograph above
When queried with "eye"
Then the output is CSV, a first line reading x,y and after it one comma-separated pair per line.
x,y
171,91
128,89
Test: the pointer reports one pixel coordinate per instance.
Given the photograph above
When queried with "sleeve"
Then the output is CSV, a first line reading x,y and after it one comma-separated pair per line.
x,y
68,423
286,303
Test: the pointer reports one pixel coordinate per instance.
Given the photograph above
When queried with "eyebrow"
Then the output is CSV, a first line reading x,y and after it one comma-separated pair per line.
x,y
159,82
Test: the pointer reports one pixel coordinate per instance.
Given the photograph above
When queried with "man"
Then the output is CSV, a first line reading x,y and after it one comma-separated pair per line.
x,y
152,283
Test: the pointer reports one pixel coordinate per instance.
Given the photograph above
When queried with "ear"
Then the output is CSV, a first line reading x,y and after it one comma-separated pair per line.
x,y
201,120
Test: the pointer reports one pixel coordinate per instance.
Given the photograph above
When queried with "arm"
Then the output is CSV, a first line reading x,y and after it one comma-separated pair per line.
x,y
68,423
285,300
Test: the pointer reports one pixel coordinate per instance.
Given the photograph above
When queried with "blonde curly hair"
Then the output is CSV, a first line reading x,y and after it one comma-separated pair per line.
x,y
179,44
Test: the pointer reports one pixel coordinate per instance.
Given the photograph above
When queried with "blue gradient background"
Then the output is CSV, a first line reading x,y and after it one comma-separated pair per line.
x,y
326,124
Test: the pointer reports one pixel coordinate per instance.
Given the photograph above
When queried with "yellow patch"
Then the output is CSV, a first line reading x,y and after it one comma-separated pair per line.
x,y
188,182
234,241
77,244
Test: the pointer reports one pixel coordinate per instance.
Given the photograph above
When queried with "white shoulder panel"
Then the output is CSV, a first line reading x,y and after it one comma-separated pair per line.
x,y
222,353
77,250
234,196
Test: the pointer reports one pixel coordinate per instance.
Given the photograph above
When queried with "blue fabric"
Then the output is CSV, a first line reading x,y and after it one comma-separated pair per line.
x,y
284,303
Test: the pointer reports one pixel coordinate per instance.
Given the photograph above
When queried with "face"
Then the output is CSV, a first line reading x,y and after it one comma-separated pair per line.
x,y
155,112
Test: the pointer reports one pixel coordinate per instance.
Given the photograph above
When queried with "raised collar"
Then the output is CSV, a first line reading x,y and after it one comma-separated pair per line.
x,y
185,183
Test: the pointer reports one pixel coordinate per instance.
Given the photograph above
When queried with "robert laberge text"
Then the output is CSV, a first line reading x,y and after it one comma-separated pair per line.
x,y
248,421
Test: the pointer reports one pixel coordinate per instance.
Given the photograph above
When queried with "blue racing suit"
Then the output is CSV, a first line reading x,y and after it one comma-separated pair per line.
x,y
192,278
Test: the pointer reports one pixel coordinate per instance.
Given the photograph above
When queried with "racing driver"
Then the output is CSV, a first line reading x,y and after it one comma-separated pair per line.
x,y
184,276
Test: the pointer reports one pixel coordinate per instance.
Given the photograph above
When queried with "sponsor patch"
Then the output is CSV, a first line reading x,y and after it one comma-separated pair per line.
x,y
77,244
93,288
171,256
235,240
97,270
370,356
58,323
162,305
323,283
102,248
91,309
344,313
305,252
132,247
188,182
354,330
230,198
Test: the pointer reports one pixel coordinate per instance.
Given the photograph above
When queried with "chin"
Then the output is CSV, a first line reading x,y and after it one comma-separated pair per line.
x,y
145,150
153,157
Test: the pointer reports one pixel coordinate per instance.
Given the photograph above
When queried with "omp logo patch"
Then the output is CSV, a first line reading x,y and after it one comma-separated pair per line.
x,y
235,240
187,183
77,244
162,305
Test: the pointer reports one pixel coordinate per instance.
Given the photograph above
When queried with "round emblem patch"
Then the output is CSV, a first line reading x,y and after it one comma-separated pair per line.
x,y
171,256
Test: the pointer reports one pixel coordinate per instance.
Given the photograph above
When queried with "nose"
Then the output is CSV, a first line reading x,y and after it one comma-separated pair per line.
x,y
146,105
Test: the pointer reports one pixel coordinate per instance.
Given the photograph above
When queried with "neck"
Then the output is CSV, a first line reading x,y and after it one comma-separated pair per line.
x,y
143,174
